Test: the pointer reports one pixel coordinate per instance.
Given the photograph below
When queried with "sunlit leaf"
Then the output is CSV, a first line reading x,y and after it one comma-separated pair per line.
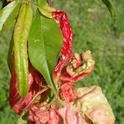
x,y
42,2
8,14
45,41
46,11
21,121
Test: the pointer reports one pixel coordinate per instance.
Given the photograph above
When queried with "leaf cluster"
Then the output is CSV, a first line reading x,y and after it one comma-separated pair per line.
x,y
44,39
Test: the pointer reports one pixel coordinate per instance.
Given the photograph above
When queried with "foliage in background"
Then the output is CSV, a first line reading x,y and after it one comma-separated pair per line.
x,y
91,24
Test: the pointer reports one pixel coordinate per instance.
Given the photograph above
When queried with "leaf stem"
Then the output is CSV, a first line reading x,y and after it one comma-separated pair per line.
x,y
40,92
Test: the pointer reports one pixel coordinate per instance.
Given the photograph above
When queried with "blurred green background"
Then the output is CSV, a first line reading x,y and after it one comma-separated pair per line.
x,y
92,27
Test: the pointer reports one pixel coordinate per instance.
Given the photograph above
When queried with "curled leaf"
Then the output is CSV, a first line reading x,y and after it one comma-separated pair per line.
x,y
93,105
46,11
20,38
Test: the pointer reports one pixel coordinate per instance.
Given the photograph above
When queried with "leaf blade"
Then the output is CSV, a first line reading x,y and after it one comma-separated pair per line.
x,y
6,12
111,8
42,2
43,48
21,121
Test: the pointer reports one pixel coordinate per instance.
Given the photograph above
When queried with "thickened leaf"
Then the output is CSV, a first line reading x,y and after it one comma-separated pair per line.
x,y
45,42
92,103
8,13
20,37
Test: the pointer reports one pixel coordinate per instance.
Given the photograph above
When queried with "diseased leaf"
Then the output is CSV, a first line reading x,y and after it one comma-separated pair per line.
x,y
45,41
20,38
94,105
8,14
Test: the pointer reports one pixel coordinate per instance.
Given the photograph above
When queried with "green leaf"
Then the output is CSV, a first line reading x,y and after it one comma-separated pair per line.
x,y
21,121
8,14
111,8
1,4
45,42
46,11
10,55
42,2
5,38
20,38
